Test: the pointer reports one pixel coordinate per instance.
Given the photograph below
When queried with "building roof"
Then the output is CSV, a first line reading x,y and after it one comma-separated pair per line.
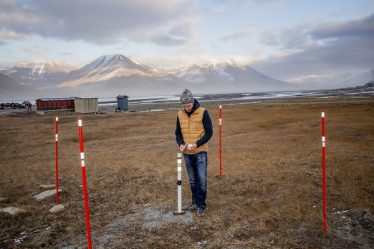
x,y
55,99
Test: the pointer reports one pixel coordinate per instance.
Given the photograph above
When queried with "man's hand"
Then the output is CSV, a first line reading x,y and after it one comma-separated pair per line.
x,y
191,146
182,147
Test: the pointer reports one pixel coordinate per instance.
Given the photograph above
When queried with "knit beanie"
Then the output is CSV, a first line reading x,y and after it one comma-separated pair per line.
x,y
186,97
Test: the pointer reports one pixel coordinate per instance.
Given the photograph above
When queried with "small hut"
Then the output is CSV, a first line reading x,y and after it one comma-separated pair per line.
x,y
122,103
86,105
43,104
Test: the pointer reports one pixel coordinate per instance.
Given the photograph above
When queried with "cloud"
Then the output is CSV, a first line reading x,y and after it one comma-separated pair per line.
x,y
306,36
10,35
363,26
34,50
297,38
322,50
245,33
217,10
100,22
249,1
17,20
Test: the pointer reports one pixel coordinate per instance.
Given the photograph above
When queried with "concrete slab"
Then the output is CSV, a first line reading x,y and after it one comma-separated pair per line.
x,y
12,210
48,186
46,194
154,218
57,208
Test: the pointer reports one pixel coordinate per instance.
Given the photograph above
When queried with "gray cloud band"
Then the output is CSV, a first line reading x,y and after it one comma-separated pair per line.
x,y
100,21
329,51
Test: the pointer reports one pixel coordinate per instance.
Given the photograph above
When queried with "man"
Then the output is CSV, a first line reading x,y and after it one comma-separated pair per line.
x,y
193,131
29,105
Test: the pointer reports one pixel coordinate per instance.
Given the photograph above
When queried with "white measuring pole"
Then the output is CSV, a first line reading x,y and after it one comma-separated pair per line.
x,y
179,183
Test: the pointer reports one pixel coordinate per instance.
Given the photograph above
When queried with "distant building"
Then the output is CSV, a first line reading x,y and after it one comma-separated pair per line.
x,y
55,104
80,105
122,103
86,105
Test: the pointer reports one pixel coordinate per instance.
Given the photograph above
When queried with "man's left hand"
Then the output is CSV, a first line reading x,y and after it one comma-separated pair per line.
x,y
192,146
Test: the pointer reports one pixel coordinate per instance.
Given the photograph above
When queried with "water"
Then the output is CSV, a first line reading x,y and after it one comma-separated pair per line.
x,y
146,100
165,99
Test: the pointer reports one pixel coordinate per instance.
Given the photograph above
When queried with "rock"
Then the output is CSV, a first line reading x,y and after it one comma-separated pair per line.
x,y
3,199
48,186
12,210
46,194
57,208
202,243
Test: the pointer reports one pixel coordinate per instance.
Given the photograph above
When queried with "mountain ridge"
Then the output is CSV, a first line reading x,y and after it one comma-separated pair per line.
x,y
118,74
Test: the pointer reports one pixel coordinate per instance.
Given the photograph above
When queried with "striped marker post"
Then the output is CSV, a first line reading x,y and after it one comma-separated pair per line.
x,y
85,195
179,183
220,140
323,171
56,159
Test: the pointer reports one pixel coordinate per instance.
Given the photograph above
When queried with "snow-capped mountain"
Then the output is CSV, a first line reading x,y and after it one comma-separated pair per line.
x,y
115,73
111,75
37,74
105,68
200,74
228,77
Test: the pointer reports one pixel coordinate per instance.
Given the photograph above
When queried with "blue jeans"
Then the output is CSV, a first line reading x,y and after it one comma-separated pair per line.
x,y
197,165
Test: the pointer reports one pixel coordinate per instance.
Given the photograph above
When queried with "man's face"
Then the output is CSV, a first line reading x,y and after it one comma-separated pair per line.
x,y
187,107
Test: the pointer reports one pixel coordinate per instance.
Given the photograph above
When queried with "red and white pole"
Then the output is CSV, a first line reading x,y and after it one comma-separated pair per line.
x,y
85,195
323,171
56,161
220,140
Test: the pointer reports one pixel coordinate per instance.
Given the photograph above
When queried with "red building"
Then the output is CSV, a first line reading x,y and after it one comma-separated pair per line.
x,y
55,103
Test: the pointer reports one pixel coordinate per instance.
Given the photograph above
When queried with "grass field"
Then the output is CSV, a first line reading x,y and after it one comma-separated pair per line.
x,y
270,196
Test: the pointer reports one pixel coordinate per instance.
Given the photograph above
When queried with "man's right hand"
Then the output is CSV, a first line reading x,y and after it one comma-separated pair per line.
x,y
182,147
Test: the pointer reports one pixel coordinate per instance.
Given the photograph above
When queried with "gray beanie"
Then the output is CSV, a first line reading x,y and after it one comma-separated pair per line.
x,y
186,97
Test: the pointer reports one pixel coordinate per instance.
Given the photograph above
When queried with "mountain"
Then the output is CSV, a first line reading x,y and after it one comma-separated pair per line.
x,y
227,77
37,74
111,75
10,89
105,68
115,74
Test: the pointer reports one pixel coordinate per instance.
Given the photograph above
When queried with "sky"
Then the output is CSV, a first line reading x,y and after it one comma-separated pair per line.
x,y
294,41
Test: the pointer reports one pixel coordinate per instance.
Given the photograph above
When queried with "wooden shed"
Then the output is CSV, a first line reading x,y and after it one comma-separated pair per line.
x,y
54,103
86,105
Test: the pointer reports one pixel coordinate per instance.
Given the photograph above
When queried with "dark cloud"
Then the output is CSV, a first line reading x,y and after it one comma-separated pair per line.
x,y
306,35
353,28
339,55
327,49
99,21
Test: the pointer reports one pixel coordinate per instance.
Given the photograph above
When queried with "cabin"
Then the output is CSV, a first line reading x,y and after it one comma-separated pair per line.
x,y
43,104
86,105
122,103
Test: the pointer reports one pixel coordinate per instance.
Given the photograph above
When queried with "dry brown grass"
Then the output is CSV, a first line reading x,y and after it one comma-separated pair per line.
x,y
270,195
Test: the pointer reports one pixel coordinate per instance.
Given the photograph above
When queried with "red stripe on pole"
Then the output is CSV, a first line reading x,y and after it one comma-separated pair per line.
x,y
56,161
85,195
220,140
323,171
